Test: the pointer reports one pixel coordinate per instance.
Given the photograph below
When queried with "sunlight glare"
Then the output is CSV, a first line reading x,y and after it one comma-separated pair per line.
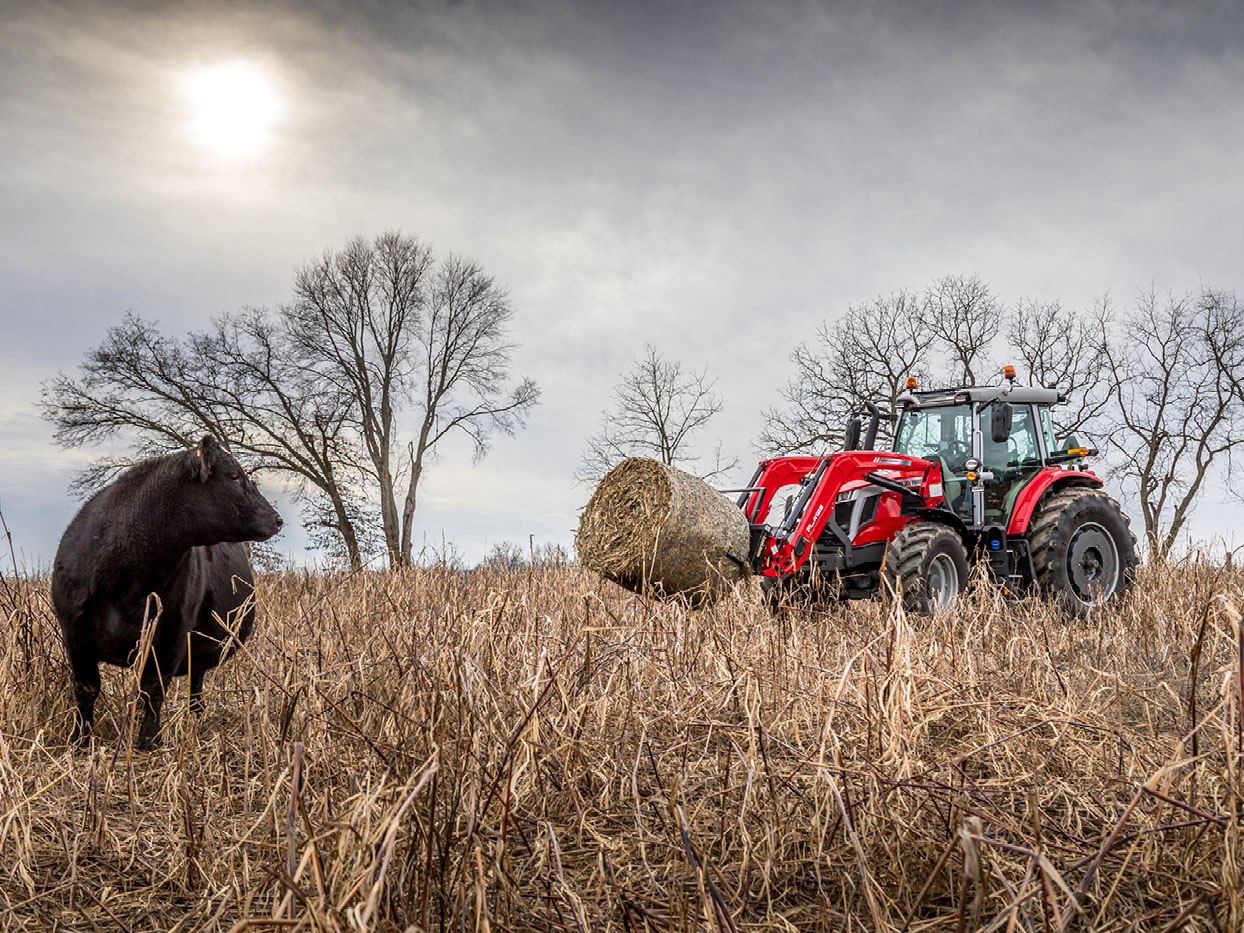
x,y
233,106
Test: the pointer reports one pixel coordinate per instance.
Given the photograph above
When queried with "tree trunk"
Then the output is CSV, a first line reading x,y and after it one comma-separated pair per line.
x,y
408,513
412,490
388,517
349,538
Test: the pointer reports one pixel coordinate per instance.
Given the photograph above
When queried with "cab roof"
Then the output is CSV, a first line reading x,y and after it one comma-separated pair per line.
x,y
1019,395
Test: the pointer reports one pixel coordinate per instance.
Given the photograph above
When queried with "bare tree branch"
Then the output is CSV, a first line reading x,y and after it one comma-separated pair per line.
x,y
865,357
659,409
1176,407
965,317
1061,349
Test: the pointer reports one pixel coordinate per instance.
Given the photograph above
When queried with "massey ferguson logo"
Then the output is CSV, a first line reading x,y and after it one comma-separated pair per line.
x,y
911,481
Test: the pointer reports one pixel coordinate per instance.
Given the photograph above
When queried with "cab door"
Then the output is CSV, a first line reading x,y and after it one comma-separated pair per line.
x,y
1012,462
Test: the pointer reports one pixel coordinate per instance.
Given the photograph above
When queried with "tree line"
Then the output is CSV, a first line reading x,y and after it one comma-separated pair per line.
x,y
383,351
1157,382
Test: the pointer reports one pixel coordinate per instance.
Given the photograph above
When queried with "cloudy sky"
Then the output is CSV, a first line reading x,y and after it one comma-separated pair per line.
x,y
714,178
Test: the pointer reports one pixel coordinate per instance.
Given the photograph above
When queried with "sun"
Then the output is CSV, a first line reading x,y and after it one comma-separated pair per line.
x,y
232,107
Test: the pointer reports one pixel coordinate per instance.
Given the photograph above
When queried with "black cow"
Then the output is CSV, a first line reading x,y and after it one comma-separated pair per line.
x,y
172,526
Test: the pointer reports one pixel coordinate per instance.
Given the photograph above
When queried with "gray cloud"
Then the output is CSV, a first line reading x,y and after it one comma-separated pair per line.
x,y
714,178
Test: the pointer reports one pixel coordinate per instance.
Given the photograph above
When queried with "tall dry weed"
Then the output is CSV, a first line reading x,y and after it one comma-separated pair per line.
x,y
538,750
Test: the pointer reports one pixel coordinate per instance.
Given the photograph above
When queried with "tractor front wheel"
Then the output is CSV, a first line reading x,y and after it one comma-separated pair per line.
x,y
926,566
1083,551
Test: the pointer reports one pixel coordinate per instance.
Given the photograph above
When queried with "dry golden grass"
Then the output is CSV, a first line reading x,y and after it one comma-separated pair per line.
x,y
441,750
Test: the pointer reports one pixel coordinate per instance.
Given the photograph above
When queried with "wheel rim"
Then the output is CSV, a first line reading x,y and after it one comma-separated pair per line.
x,y
943,581
1093,564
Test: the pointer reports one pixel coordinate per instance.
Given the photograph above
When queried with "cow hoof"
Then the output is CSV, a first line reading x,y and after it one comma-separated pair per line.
x,y
146,743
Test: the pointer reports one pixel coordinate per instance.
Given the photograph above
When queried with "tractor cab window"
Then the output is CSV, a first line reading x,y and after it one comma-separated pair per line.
x,y
1020,449
1012,462
943,433
1047,428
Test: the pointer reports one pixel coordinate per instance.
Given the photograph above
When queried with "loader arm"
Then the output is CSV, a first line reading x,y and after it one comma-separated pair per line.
x,y
782,550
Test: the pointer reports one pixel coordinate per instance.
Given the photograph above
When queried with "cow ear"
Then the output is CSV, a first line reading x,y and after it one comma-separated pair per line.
x,y
206,456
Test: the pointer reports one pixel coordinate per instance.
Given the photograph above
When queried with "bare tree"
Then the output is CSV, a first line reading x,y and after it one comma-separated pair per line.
x,y
865,357
1223,326
1062,349
399,335
506,556
396,333
509,556
659,409
1176,404
966,318
464,373
354,314
377,337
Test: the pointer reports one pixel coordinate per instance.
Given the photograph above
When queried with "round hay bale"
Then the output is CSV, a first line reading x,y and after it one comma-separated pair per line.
x,y
659,531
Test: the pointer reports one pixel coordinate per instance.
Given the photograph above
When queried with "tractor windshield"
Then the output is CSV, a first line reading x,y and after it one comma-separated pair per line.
x,y
943,433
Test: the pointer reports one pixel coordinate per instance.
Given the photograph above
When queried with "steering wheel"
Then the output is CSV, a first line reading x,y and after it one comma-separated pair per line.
x,y
955,453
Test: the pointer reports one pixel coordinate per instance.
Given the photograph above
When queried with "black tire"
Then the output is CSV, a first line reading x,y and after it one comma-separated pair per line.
x,y
1083,550
926,566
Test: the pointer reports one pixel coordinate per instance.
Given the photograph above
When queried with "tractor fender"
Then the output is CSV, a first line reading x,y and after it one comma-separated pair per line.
x,y
947,518
1047,480
944,516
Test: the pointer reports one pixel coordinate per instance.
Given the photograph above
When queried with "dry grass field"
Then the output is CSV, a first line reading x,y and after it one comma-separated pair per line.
x,y
449,750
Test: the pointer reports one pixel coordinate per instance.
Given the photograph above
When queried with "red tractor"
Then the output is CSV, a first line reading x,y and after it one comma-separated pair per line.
x,y
975,475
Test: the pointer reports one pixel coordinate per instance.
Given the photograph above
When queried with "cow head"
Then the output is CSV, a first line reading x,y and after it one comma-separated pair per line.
x,y
225,504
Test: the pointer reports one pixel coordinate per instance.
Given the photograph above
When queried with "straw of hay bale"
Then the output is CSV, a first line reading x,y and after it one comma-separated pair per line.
x,y
659,531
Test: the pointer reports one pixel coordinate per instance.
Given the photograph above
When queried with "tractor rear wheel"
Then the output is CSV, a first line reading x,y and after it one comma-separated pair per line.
x,y
1082,547
926,566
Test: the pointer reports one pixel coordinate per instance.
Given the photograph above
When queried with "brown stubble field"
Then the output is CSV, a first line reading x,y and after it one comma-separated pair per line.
x,y
450,750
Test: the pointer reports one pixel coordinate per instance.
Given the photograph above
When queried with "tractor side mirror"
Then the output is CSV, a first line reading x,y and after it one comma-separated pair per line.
x,y
852,439
1000,422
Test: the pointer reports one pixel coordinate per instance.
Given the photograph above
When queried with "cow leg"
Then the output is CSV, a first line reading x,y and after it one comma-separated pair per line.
x,y
196,691
85,693
151,702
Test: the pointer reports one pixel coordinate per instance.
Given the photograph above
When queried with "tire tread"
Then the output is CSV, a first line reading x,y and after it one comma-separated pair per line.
x,y
1056,521
904,563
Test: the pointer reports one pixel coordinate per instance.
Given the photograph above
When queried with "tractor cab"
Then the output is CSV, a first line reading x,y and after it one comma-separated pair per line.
x,y
988,440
